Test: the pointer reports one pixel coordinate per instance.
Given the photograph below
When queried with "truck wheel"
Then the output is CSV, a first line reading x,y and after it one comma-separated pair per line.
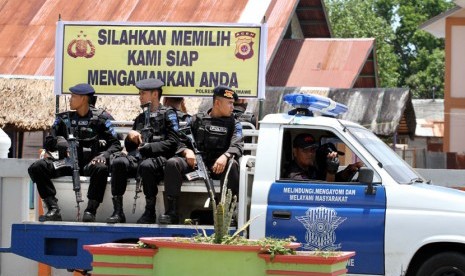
x,y
444,264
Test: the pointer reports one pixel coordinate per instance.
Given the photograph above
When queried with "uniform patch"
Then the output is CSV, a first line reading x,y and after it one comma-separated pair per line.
x,y
174,121
109,125
57,120
218,129
239,130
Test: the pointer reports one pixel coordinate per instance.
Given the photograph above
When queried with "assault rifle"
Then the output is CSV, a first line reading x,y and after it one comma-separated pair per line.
x,y
201,172
146,134
73,156
72,161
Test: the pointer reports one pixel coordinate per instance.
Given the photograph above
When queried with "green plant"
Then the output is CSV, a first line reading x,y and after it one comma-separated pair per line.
x,y
144,245
277,246
326,254
223,214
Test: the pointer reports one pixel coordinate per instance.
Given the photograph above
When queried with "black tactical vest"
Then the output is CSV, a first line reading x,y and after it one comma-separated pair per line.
x,y
213,135
157,123
86,130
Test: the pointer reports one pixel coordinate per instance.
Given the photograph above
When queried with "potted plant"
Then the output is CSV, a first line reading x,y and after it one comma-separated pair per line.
x,y
121,259
220,253
320,263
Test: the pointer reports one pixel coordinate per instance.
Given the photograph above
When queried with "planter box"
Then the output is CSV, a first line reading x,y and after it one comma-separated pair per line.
x,y
305,262
121,259
177,257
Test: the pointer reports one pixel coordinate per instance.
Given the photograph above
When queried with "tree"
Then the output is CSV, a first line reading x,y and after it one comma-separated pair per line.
x,y
357,19
421,54
428,81
419,57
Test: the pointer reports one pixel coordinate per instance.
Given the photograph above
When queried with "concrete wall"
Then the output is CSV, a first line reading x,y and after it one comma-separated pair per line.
x,y
5,143
443,177
14,207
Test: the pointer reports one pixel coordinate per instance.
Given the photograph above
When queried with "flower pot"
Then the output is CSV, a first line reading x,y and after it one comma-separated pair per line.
x,y
175,256
181,257
178,257
317,263
121,259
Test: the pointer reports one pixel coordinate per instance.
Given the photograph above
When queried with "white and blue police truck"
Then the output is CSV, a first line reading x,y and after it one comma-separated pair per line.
x,y
395,221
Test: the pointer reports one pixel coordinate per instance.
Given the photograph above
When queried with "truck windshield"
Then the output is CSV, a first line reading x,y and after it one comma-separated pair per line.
x,y
390,161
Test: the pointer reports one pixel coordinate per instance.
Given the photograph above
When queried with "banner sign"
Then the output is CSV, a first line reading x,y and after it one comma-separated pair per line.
x,y
191,59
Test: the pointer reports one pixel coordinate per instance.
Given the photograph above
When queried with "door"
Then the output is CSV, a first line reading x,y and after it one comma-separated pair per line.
x,y
325,214
331,216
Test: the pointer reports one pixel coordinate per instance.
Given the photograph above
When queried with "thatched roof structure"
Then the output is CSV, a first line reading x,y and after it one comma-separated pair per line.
x,y
384,111
29,104
26,104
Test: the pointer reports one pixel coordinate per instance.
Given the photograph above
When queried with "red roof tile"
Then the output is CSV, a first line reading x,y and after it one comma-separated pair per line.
x,y
278,19
29,26
333,63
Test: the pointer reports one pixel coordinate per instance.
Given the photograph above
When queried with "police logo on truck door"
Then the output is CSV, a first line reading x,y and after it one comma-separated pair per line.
x,y
321,223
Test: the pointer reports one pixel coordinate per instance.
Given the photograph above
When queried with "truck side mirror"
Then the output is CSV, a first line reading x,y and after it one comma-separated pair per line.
x,y
365,176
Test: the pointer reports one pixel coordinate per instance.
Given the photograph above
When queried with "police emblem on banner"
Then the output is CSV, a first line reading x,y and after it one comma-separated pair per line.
x,y
81,47
321,224
244,43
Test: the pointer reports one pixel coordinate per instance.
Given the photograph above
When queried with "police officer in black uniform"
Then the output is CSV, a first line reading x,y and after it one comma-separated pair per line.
x,y
218,136
305,164
177,103
242,115
145,159
105,114
88,129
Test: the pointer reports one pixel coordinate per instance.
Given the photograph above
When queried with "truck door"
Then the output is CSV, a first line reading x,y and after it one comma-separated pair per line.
x,y
334,216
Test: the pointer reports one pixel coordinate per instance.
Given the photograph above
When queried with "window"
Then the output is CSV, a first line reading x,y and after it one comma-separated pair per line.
x,y
311,154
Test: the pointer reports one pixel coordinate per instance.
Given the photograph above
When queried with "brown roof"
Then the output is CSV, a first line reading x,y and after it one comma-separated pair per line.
x,y
29,51
338,63
30,28
30,25
313,19
278,19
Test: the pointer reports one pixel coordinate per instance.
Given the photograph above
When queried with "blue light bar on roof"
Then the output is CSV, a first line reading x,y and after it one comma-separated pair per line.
x,y
316,103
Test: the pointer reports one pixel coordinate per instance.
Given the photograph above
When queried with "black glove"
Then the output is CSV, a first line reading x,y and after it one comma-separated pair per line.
x,y
332,165
62,147
50,143
99,159
145,150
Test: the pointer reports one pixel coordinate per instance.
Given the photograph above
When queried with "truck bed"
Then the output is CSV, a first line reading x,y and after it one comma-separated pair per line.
x,y
60,244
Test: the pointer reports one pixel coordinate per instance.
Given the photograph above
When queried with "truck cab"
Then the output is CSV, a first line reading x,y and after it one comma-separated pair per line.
x,y
396,222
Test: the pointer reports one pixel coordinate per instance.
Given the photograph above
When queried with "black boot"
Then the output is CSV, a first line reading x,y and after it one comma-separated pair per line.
x,y
149,216
91,210
118,214
53,211
171,213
